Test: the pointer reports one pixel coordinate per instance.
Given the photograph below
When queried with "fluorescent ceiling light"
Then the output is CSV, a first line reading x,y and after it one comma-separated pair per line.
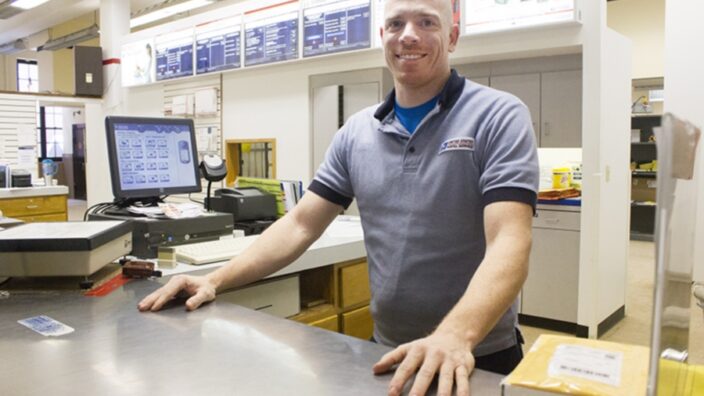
x,y
27,4
167,12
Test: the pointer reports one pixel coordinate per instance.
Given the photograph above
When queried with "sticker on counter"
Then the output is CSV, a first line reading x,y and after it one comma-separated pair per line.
x,y
46,326
589,363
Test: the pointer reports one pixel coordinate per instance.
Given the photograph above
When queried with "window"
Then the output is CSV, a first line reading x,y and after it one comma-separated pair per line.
x,y
51,132
27,75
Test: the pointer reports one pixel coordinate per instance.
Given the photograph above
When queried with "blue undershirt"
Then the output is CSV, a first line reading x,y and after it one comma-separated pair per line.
x,y
410,117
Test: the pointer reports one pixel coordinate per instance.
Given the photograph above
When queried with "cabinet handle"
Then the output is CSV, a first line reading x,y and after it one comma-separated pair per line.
x,y
546,128
32,206
552,221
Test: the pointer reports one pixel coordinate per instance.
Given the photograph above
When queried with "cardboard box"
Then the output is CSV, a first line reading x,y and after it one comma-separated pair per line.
x,y
643,189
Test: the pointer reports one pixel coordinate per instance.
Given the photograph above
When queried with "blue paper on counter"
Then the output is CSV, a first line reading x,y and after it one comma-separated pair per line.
x,y
46,326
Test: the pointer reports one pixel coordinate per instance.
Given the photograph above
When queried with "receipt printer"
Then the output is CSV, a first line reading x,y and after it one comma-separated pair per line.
x,y
245,204
21,178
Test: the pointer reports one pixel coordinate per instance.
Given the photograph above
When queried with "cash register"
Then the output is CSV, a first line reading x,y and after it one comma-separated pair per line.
x,y
151,158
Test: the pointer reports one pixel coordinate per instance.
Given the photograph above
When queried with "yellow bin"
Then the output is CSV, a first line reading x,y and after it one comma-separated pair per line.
x,y
561,177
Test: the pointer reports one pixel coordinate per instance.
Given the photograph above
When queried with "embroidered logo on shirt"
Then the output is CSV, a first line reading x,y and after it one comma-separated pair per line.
x,y
457,144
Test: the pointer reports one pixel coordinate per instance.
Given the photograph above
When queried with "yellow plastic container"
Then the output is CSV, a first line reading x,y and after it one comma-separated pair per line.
x,y
561,177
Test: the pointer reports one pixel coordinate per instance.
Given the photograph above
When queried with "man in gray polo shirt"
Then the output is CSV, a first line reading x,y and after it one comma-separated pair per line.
x,y
445,175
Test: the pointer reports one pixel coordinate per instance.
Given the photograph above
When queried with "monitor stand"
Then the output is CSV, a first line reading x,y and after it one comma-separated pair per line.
x,y
120,205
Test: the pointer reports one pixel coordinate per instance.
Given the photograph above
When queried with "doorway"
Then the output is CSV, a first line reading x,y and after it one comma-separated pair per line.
x,y
334,98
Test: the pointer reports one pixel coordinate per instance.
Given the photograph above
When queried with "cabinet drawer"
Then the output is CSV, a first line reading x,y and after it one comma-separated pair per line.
x,y
557,220
33,206
358,323
354,285
329,323
43,218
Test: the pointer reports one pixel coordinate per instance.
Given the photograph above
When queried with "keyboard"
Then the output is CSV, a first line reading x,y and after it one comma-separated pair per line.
x,y
212,251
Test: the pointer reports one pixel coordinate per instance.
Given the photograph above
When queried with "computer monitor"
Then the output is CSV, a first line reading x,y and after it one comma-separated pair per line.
x,y
151,157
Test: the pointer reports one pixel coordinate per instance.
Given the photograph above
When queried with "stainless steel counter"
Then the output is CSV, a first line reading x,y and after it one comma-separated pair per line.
x,y
220,349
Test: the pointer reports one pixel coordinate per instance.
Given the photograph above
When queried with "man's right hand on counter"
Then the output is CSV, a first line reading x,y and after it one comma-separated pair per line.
x,y
200,289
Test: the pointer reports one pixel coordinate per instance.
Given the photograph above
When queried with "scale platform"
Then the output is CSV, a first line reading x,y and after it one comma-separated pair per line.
x,y
62,248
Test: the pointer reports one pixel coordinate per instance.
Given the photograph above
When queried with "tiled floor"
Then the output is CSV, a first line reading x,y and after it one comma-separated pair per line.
x,y
634,329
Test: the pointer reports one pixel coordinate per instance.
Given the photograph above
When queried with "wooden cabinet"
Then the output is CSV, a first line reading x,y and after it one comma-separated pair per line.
x,y
327,323
555,103
337,298
353,285
358,323
36,209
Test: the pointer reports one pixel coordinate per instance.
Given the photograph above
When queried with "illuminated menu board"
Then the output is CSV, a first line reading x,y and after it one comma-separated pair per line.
x,y
137,61
218,45
174,55
483,16
335,26
271,34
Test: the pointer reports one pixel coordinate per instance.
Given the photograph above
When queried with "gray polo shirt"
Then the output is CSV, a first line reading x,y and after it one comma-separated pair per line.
x,y
421,199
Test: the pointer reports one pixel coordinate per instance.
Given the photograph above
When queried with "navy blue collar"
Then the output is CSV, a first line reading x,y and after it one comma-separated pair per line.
x,y
448,96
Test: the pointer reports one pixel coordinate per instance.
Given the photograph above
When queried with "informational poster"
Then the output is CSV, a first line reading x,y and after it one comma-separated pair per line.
x,y
271,34
334,26
218,45
482,16
137,61
174,55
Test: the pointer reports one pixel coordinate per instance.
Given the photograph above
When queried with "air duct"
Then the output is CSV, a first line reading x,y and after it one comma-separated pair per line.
x,y
12,47
71,39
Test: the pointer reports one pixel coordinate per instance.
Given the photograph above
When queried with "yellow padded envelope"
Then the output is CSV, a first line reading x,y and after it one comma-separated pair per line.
x,y
579,366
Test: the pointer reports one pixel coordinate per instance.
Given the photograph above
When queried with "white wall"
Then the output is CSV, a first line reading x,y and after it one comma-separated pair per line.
x,y
616,174
643,21
45,63
274,102
683,83
98,186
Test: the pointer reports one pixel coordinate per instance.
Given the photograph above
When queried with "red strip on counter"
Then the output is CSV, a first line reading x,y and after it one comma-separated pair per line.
x,y
108,287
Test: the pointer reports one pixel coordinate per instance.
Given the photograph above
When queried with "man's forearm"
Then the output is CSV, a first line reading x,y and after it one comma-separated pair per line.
x,y
494,286
279,245
492,291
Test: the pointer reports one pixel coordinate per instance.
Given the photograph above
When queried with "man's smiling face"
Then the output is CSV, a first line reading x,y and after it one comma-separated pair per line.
x,y
418,37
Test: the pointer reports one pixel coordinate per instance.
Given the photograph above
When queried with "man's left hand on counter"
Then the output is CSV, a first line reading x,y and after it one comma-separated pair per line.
x,y
443,353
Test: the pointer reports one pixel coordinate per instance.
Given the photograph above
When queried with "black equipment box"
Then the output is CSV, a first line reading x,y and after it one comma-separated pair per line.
x,y
244,204
21,178
149,234
88,67
254,227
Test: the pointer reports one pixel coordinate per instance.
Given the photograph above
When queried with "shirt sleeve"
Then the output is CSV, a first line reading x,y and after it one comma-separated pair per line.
x,y
332,179
509,159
